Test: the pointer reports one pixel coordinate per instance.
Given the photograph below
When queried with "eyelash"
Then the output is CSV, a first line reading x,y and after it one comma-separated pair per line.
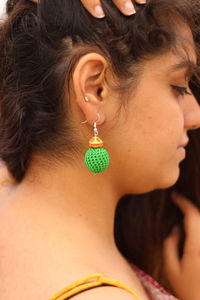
x,y
181,90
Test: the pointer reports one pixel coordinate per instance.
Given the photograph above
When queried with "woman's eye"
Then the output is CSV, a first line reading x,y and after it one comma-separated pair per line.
x,y
181,90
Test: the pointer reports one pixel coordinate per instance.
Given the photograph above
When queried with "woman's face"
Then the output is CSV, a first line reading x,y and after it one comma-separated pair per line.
x,y
154,125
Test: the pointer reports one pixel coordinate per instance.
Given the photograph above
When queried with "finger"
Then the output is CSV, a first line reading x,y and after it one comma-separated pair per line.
x,y
141,1
94,7
191,224
170,254
185,205
125,6
190,211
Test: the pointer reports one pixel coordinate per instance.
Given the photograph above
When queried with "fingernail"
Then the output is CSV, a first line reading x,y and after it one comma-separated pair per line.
x,y
129,8
141,1
99,12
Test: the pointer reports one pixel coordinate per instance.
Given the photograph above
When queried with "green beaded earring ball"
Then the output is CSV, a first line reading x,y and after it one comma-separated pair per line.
x,y
96,158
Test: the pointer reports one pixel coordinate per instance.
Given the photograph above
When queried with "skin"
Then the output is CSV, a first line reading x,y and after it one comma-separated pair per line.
x,y
53,208
126,7
183,274
174,115
95,8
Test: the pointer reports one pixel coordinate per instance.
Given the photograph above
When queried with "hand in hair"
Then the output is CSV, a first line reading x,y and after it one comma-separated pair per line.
x,y
126,7
95,8
184,273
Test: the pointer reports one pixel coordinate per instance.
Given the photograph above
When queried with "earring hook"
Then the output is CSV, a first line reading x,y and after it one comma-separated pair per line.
x,y
95,125
84,122
98,118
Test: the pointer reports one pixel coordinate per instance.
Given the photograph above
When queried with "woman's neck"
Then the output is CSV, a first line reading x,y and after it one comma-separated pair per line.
x,y
79,202
58,221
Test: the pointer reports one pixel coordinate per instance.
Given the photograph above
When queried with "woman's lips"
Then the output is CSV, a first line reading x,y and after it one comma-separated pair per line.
x,y
181,151
181,148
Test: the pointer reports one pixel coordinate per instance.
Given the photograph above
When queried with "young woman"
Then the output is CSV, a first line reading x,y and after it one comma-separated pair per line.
x,y
66,76
175,267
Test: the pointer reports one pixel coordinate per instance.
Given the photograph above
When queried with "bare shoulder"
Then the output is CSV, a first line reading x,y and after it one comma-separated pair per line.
x,y
106,292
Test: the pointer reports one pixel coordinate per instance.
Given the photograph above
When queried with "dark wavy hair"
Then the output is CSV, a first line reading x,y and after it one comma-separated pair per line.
x,y
39,47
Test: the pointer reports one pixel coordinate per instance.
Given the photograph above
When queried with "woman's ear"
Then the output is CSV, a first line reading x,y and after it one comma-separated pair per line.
x,y
89,86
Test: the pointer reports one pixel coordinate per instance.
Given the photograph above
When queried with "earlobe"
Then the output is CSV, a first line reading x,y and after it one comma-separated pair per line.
x,y
89,86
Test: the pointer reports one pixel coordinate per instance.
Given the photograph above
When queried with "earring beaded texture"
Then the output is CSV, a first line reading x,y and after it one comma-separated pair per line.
x,y
96,157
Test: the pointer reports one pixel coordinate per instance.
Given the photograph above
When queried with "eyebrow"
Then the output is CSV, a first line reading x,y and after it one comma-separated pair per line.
x,y
184,64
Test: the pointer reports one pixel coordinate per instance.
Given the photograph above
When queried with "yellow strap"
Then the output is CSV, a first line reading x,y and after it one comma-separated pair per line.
x,y
87,283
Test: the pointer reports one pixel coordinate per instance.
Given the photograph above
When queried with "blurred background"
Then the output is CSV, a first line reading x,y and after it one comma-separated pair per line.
x,y
2,7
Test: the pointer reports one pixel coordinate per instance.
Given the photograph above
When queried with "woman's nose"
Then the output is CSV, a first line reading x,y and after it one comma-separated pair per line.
x,y
191,113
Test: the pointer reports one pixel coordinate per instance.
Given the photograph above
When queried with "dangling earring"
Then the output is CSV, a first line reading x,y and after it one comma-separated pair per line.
x,y
96,157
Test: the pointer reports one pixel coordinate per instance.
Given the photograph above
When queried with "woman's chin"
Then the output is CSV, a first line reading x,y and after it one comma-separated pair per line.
x,y
171,179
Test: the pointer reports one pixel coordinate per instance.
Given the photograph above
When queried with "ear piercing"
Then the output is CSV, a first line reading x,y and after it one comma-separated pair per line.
x,y
86,99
